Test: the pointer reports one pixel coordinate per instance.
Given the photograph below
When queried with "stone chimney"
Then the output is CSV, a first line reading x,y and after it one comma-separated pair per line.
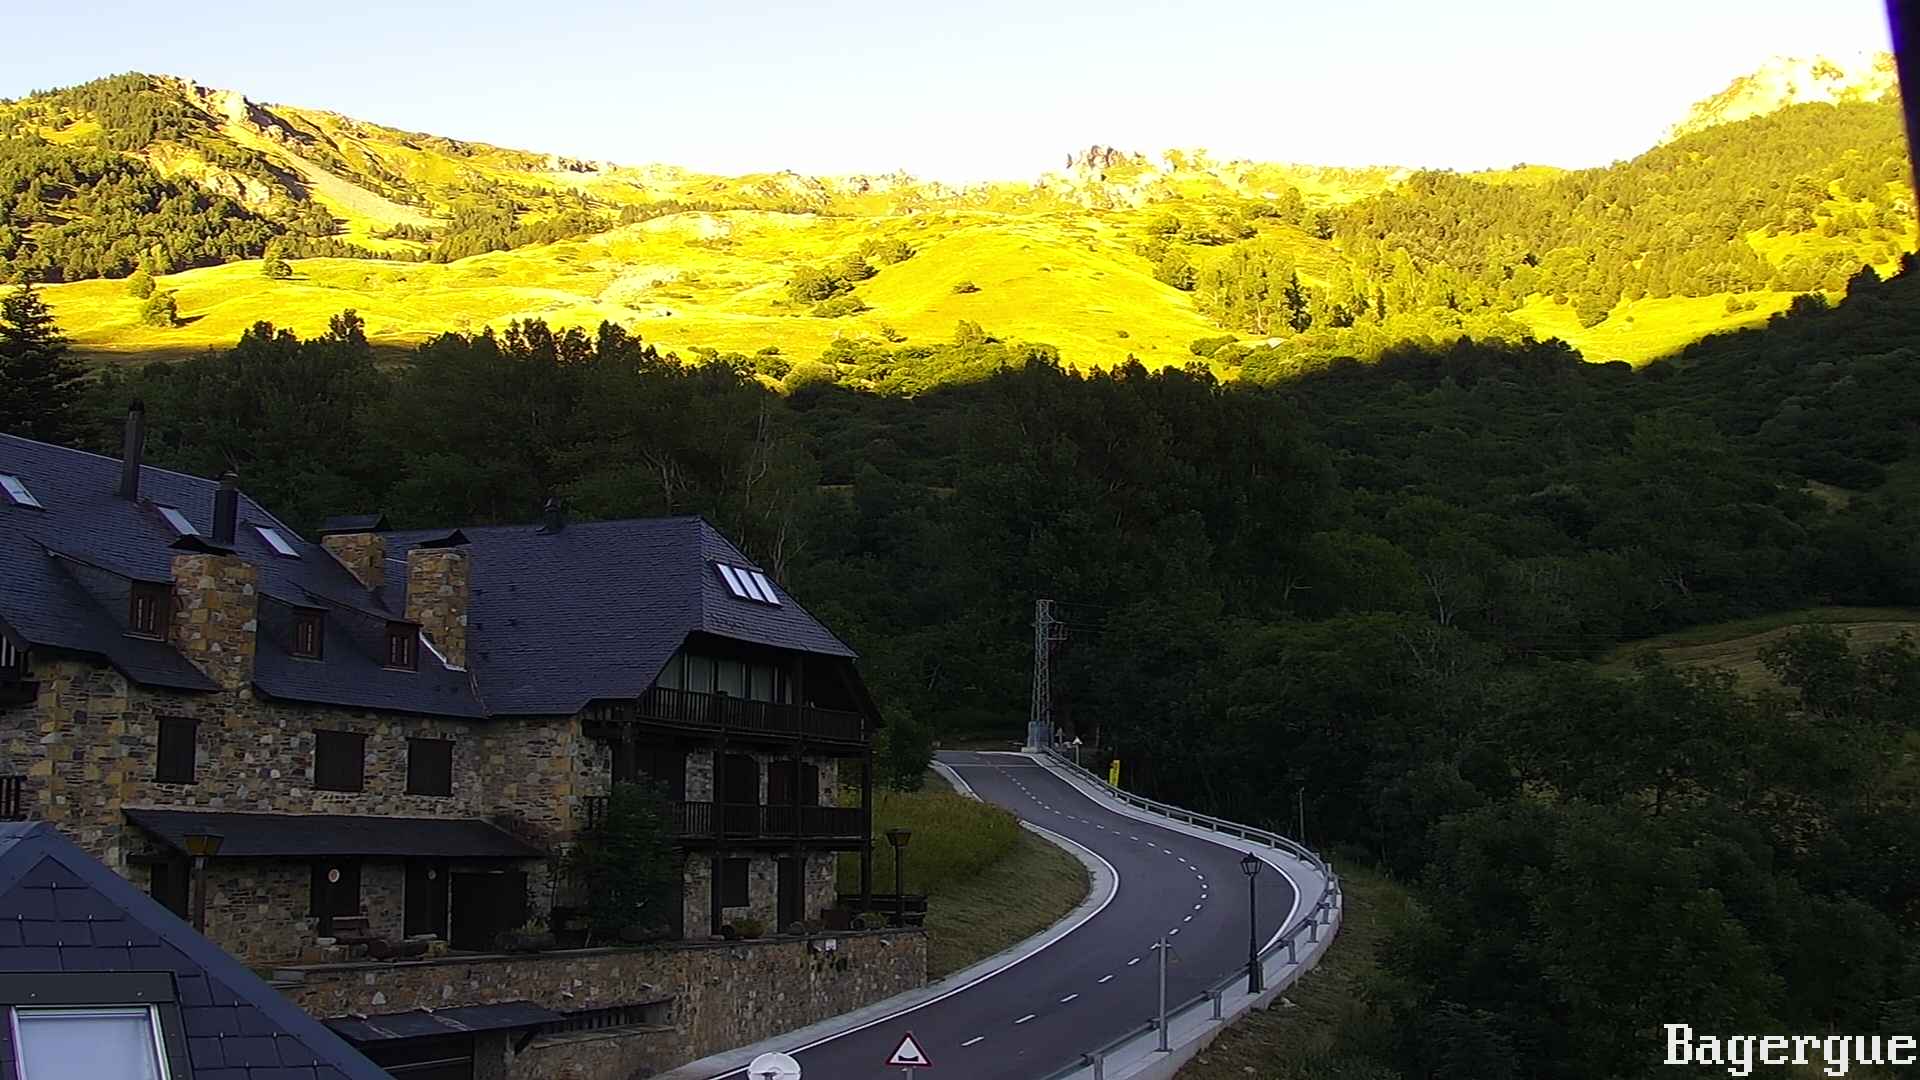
x,y
438,595
363,554
216,615
133,449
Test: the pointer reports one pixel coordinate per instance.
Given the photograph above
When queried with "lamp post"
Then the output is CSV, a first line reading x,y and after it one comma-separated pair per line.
x,y
1076,751
202,846
898,837
1250,866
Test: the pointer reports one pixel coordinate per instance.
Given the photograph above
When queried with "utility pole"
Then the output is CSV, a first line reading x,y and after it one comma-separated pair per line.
x,y
1046,631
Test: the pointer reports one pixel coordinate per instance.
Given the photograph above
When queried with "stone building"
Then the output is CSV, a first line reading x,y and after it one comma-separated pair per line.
x,y
398,734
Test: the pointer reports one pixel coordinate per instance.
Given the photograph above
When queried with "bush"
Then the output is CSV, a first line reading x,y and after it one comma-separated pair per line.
x,y
886,252
140,284
964,287
627,864
160,310
839,306
888,332
954,839
852,268
1207,346
276,268
810,285
750,927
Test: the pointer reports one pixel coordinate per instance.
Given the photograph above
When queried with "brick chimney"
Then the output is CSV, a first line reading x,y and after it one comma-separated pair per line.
x,y
363,554
216,615
438,595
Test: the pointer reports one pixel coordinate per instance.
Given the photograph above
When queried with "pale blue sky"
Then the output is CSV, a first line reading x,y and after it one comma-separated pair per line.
x,y
964,90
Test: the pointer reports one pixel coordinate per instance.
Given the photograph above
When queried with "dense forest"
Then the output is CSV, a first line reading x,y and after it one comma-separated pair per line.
x,y
1376,588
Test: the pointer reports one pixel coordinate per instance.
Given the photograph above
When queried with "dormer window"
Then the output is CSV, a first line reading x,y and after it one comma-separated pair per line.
x,y
277,542
309,633
403,641
17,492
748,584
177,521
147,605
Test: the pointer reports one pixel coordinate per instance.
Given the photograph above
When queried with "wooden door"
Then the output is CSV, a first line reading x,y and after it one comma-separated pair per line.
x,y
792,892
483,907
426,897
740,792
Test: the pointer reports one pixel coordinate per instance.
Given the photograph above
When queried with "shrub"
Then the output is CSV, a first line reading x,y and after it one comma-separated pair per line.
x,y
140,285
627,863
750,927
276,268
886,252
1207,346
964,287
888,332
839,306
810,285
852,268
160,310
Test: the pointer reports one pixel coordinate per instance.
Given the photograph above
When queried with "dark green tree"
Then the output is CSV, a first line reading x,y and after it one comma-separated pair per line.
x,y
40,384
161,309
140,284
627,864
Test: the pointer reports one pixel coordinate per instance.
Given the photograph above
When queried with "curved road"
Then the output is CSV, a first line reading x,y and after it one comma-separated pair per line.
x,y
1095,983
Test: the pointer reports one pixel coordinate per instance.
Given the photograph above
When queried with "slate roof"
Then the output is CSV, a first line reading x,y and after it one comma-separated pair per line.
x,y
64,573
595,609
63,911
258,835
557,619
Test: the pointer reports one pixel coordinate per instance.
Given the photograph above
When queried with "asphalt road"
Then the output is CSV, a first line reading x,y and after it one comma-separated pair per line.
x,y
1095,983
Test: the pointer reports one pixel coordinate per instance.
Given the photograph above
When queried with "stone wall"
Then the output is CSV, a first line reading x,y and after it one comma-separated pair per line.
x,y
725,995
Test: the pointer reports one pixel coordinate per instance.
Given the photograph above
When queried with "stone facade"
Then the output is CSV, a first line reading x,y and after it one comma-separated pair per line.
x,y
438,593
724,995
363,554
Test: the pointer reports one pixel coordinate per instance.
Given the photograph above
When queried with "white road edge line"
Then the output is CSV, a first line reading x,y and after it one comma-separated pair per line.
x,y
1058,840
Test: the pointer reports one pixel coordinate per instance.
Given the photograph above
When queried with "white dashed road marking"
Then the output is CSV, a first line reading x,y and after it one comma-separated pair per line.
x,y
973,1040
1024,1019
1106,978
1068,998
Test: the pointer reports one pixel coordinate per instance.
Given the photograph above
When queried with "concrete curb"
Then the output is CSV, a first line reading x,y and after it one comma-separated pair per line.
x,y
1103,883
958,782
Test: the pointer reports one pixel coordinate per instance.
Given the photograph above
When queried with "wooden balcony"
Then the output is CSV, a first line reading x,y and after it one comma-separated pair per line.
x,y
738,716
690,821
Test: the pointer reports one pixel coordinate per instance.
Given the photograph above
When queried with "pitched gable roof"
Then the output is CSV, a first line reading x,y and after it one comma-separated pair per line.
x,y
593,610
64,571
63,911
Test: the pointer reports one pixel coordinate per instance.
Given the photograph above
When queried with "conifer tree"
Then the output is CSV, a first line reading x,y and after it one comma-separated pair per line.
x,y
40,383
140,284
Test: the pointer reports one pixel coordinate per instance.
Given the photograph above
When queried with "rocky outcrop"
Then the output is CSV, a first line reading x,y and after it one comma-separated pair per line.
x,y
1792,80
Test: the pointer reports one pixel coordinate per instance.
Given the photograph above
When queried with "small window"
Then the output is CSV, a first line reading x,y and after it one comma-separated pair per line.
x,y
403,640
119,1042
429,766
147,609
173,764
748,584
733,883
339,761
334,890
766,588
178,521
16,490
13,660
309,634
277,542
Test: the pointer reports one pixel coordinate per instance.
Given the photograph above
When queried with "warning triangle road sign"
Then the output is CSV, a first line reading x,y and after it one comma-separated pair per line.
x,y
908,1055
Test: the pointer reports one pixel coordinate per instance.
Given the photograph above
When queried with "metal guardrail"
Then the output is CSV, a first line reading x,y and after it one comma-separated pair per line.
x,y
1210,998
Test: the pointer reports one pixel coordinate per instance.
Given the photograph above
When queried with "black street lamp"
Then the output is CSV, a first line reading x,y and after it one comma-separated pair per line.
x,y
202,846
1250,866
898,837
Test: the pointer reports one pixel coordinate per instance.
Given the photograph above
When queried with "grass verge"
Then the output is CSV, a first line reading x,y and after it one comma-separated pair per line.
x,y
1314,1039
989,883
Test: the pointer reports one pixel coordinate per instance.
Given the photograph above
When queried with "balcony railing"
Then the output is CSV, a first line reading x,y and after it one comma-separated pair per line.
x,y
12,801
722,712
688,820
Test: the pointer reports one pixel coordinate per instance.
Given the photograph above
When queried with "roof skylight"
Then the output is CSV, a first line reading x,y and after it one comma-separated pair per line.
x,y
748,584
16,490
178,521
277,542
